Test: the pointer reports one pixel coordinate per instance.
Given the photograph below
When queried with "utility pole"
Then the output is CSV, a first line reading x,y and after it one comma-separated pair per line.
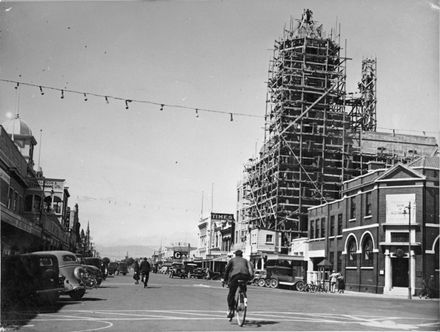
x,y
409,251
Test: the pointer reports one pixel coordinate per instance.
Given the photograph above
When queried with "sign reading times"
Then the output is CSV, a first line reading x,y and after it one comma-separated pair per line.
x,y
222,216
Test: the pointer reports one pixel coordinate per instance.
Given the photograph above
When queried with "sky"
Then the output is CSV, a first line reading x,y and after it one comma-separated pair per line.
x,y
142,176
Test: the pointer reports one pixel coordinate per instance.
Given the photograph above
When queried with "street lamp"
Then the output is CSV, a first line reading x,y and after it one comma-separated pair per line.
x,y
409,250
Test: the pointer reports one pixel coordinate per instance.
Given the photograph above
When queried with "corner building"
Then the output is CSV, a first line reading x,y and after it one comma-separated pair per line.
x,y
383,235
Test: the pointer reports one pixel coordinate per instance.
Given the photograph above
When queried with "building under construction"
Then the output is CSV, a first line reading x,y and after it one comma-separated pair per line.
x,y
316,135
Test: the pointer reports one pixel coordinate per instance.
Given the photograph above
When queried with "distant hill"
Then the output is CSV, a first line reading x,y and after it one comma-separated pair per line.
x,y
119,252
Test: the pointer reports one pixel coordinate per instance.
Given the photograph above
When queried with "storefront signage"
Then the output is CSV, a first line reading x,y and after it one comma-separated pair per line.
x,y
222,216
180,254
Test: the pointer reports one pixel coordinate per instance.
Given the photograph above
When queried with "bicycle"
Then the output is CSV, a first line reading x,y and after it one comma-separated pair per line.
x,y
241,302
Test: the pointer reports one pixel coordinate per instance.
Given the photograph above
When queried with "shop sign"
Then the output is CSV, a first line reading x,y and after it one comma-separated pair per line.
x,y
222,216
180,254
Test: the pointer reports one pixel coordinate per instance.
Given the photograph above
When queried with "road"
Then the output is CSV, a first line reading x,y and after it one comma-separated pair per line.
x,y
200,305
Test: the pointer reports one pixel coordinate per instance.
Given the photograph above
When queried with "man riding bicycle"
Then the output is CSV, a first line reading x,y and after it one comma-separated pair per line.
x,y
238,268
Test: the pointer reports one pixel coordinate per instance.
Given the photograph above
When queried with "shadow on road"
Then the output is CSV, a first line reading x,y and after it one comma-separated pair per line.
x,y
17,313
260,323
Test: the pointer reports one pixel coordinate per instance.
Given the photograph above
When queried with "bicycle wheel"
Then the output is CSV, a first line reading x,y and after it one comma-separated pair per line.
x,y
240,308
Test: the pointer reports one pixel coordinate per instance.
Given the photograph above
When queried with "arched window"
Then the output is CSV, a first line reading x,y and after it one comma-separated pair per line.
x,y
351,252
367,251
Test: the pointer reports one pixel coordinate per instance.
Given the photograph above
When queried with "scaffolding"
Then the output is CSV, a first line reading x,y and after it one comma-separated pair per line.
x,y
363,104
311,144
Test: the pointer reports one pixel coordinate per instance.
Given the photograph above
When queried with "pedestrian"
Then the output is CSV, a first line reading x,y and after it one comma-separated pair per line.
x,y
145,271
341,284
136,269
333,278
431,286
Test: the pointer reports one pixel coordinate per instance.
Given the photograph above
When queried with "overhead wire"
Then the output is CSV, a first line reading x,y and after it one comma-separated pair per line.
x,y
107,99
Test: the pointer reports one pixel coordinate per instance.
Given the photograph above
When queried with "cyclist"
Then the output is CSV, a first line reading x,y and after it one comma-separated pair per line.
x,y
238,268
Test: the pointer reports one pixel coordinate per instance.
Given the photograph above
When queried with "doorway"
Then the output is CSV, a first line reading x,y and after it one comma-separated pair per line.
x,y
400,272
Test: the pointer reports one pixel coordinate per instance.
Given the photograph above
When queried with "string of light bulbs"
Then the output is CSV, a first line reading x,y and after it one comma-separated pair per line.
x,y
126,101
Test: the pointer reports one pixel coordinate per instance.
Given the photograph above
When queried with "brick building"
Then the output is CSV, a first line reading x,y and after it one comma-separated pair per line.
x,y
383,235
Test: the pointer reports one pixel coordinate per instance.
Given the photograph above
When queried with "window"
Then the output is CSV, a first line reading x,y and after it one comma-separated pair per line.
x,y
312,229
4,191
368,204
332,225
351,252
15,202
352,207
269,238
10,198
367,252
339,224
322,227
317,229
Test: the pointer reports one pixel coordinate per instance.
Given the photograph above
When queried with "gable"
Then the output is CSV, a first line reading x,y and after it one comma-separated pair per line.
x,y
400,172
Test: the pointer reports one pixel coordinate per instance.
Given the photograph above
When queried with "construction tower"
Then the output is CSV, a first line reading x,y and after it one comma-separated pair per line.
x,y
300,163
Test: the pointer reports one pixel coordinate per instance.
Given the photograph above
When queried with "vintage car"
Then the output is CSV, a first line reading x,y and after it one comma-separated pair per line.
x,y
177,270
31,277
76,278
112,268
122,268
96,261
197,273
89,264
259,278
288,271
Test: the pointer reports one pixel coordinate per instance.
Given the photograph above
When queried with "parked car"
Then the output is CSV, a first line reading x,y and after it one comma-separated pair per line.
x,y
94,267
177,270
198,273
112,268
259,278
190,266
287,271
122,268
98,262
31,277
76,278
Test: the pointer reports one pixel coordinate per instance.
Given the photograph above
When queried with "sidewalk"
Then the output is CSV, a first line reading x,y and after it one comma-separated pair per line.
x,y
387,296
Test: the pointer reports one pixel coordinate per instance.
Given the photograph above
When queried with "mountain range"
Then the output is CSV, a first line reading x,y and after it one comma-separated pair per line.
x,y
120,252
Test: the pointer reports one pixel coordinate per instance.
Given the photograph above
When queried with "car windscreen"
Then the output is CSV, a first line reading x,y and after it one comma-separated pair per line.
x,y
69,258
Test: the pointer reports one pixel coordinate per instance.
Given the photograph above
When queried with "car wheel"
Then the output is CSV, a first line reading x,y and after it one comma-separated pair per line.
x,y
273,283
124,274
261,282
77,294
300,286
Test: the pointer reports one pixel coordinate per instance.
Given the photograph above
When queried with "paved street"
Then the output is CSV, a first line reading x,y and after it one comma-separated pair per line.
x,y
200,305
